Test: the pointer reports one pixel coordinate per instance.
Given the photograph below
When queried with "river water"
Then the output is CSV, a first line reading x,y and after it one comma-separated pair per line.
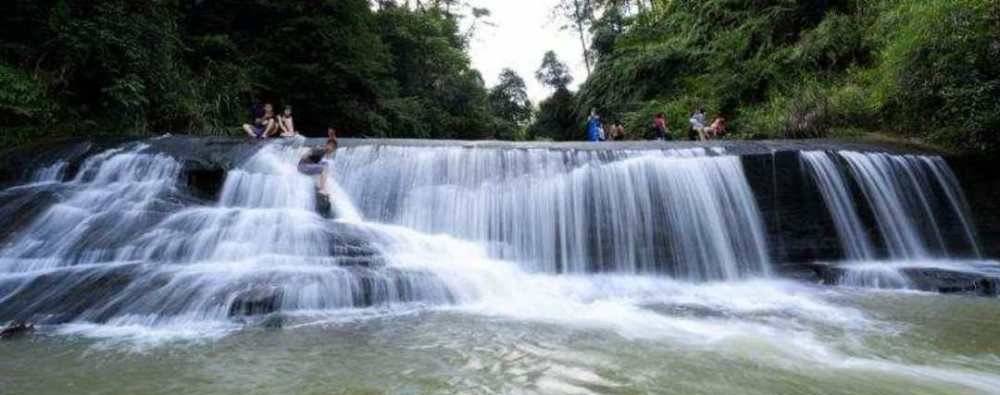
x,y
757,337
448,270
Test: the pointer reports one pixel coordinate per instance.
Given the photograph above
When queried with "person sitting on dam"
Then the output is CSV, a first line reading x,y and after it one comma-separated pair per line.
x,y
698,128
617,132
286,123
314,163
718,128
263,123
660,127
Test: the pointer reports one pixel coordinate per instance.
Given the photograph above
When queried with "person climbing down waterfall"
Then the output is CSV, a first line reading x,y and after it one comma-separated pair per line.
x,y
314,163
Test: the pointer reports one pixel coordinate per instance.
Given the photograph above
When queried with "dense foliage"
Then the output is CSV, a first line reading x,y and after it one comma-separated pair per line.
x,y
121,66
801,68
556,118
922,69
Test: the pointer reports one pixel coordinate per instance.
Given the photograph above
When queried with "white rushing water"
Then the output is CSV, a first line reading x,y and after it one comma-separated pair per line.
x,y
436,226
834,189
50,173
129,249
908,196
688,213
649,246
900,190
133,250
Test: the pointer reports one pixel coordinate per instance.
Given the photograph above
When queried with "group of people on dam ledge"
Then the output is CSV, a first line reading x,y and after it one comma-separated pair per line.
x,y
699,128
265,124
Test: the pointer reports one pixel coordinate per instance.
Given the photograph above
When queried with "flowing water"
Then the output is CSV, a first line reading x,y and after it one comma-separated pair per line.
x,y
837,195
910,197
457,270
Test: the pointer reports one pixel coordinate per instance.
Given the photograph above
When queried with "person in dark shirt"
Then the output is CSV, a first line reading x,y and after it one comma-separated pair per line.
x,y
660,127
264,123
314,163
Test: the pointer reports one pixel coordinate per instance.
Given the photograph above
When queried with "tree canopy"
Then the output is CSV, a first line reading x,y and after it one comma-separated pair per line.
x,y
103,66
922,69
510,105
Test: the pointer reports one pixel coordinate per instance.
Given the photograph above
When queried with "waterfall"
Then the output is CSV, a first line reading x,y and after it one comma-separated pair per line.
x,y
901,191
126,241
909,196
686,213
834,189
50,173
128,246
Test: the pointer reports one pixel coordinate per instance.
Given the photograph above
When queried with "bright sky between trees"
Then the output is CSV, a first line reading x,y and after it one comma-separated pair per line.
x,y
517,36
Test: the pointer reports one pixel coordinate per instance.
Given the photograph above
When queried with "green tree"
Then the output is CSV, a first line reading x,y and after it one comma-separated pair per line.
x,y
115,66
553,73
509,103
556,118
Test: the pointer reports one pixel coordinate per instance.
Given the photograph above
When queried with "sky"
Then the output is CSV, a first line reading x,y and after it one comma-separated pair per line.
x,y
522,31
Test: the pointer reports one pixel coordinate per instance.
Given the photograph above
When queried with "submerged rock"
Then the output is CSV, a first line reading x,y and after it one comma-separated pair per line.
x,y
930,279
17,329
260,300
954,282
323,206
273,321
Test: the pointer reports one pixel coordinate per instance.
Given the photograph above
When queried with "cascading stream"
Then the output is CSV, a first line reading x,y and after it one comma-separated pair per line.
x,y
124,242
128,247
687,213
482,269
909,197
834,189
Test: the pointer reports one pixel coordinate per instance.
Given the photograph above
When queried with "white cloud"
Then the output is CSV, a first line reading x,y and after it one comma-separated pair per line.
x,y
522,31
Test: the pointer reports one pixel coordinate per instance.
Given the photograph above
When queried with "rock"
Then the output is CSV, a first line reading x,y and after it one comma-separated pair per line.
x,y
815,272
801,272
205,183
954,282
273,321
972,282
17,329
260,300
19,208
323,206
63,295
